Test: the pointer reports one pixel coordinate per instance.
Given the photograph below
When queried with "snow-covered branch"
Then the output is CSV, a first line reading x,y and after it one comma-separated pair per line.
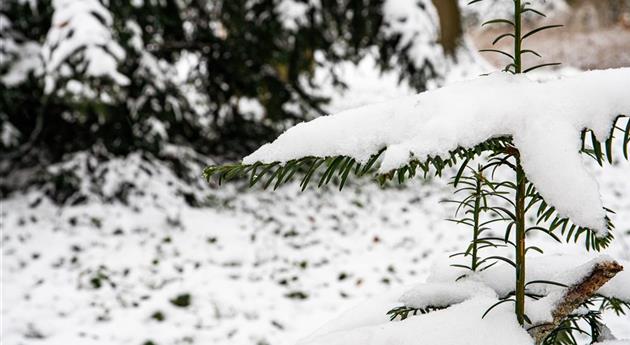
x,y
544,119
576,295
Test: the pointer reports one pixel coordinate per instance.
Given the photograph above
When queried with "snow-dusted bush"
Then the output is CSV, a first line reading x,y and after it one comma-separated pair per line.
x,y
220,77
81,31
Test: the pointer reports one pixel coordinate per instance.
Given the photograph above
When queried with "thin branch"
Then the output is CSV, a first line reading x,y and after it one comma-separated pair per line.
x,y
575,296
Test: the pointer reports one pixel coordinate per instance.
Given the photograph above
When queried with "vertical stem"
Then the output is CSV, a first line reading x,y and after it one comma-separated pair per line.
x,y
517,36
474,263
520,242
520,189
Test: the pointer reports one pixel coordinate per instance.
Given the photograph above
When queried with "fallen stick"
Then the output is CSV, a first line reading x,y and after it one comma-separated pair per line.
x,y
576,295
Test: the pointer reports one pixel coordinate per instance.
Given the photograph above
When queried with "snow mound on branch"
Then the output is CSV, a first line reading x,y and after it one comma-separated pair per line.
x,y
544,118
466,299
445,327
444,294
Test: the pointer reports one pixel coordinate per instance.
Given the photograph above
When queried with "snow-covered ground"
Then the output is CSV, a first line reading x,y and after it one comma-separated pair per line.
x,y
248,267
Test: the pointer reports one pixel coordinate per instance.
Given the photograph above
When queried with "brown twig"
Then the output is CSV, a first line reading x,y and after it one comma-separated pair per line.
x,y
575,296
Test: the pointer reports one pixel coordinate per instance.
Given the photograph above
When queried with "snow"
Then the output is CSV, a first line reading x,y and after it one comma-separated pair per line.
x,y
20,57
293,14
244,246
240,255
249,250
466,300
444,294
565,269
418,26
414,21
9,135
368,313
539,311
415,26
359,78
253,249
28,60
159,71
82,26
252,108
445,327
544,118
614,342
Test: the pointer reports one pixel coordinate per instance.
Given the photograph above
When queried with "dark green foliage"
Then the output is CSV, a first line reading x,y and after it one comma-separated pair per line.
x,y
475,211
402,312
158,316
299,295
181,300
587,324
567,331
241,50
325,169
337,169
514,66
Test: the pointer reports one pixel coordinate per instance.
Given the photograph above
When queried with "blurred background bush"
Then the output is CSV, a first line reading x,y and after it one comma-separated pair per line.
x,y
185,80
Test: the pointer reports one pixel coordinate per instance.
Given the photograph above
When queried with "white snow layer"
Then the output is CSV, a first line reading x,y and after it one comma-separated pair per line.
x,y
444,294
544,118
468,298
453,326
